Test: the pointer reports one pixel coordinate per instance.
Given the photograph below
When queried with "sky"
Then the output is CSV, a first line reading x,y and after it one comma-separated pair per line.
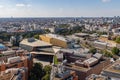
x,y
59,8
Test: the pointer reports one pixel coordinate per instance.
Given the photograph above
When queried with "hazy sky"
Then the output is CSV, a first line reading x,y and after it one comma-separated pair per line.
x,y
59,8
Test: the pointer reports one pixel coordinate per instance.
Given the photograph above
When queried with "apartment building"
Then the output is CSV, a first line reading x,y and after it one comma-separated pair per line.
x,y
14,74
96,77
116,31
15,59
85,67
112,71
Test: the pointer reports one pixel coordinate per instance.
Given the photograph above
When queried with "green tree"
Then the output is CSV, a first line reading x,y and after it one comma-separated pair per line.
x,y
117,40
1,55
47,69
115,50
46,77
93,50
32,76
55,60
36,36
107,54
40,73
37,72
47,31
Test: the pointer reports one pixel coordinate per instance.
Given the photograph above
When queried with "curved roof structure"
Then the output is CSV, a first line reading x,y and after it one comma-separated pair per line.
x,y
2,47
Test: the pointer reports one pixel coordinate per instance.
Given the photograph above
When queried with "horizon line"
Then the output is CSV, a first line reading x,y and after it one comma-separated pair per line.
x,y
63,17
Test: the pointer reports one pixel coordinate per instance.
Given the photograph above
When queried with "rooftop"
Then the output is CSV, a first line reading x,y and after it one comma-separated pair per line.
x,y
113,68
44,53
64,75
6,53
2,47
35,43
12,74
81,34
95,77
56,36
100,42
79,68
106,36
90,60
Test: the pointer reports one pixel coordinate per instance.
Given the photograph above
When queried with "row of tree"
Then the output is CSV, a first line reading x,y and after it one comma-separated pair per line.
x,y
114,51
67,31
39,72
6,36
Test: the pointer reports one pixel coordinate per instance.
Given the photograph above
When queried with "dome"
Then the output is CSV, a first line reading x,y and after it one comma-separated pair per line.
x,y
2,47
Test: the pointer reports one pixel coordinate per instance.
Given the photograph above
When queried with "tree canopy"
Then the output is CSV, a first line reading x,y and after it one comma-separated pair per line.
x,y
39,72
117,40
36,36
115,50
93,50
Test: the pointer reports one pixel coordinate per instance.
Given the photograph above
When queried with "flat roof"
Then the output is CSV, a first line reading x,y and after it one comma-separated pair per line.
x,y
36,43
96,77
78,68
56,36
10,52
82,34
43,53
105,36
91,60
100,42
2,46
65,75
112,69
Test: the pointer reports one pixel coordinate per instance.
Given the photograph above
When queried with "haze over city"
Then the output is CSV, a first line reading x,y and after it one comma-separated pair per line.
x,y
59,8
59,39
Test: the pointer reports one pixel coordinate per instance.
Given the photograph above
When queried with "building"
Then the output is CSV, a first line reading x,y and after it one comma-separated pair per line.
x,y
83,35
104,38
15,40
100,45
116,31
15,59
14,74
106,43
112,71
2,47
73,55
43,52
67,75
96,77
56,40
87,66
59,72
32,44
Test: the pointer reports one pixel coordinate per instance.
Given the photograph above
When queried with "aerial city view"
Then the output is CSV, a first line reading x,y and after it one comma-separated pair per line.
x,y
59,39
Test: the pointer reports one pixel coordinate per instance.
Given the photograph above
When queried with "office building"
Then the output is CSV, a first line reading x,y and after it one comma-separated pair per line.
x,y
112,71
87,66
59,72
32,44
14,74
96,77
56,40
15,59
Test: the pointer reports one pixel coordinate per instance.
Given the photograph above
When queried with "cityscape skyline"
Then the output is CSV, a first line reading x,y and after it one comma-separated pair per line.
x,y
59,8
59,40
